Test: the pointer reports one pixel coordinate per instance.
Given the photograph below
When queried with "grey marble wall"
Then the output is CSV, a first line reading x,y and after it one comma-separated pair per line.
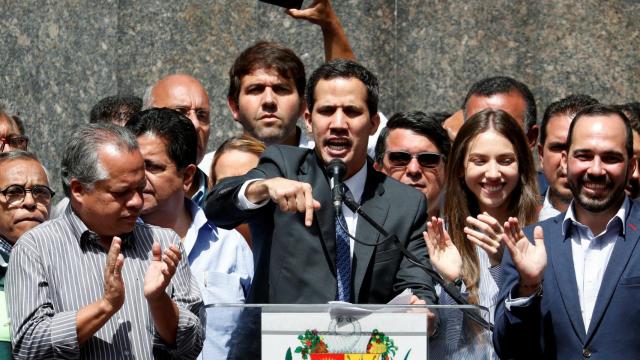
x,y
57,58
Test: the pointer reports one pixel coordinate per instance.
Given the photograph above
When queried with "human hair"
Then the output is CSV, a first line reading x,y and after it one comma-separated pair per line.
x,y
17,155
80,158
426,125
460,202
503,85
244,143
174,128
632,110
8,110
568,106
270,56
147,98
604,110
345,69
116,109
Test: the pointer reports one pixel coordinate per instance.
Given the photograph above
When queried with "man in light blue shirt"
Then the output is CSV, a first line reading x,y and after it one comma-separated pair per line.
x,y
220,260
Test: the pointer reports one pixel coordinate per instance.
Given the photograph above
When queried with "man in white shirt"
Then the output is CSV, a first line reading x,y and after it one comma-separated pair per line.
x,y
593,274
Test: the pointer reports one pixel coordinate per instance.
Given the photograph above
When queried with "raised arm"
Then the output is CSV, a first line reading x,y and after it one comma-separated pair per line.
x,y
336,44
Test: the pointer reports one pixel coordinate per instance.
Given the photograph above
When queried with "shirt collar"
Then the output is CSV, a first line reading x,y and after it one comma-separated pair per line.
x,y
199,196
199,222
356,183
85,236
5,251
621,215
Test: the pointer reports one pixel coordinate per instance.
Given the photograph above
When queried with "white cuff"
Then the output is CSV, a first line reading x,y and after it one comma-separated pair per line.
x,y
519,302
243,203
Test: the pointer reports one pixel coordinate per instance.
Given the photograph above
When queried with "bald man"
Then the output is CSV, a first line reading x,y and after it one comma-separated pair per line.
x,y
186,94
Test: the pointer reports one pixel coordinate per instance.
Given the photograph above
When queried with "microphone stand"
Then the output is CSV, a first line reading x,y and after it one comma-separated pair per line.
x,y
448,287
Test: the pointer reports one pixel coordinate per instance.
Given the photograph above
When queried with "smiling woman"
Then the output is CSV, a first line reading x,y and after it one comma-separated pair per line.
x,y
490,177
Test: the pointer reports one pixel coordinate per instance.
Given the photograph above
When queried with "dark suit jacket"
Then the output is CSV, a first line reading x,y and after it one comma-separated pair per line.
x,y
552,327
296,264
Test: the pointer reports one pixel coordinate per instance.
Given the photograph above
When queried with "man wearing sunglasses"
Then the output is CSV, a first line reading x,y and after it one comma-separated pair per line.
x,y
413,149
25,200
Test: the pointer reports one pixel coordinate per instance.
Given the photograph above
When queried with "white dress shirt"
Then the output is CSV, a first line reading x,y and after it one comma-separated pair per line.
x,y
590,255
547,211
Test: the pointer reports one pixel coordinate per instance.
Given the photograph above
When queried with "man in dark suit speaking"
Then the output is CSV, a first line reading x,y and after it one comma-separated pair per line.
x,y
303,254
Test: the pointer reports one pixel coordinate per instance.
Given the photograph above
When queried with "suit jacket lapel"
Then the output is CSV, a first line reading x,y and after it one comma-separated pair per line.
x,y
620,256
562,262
310,172
377,210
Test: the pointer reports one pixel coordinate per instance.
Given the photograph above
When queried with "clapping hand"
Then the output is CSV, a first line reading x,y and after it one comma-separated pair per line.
x,y
486,232
113,283
443,254
529,259
161,270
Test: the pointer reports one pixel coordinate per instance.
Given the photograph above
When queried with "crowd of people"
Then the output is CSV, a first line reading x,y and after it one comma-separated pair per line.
x,y
534,220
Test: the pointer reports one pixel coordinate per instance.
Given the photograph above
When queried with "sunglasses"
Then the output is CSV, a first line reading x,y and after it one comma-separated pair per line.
x,y
425,159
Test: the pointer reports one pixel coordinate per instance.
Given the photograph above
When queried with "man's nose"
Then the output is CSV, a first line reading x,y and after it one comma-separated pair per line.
x,y
414,166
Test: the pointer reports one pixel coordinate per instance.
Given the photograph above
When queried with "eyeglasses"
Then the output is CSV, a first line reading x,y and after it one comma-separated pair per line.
x,y
15,194
425,159
16,142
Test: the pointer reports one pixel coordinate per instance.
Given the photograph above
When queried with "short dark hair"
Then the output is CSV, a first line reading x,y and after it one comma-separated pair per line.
x,y
424,124
568,106
173,127
504,85
116,109
266,55
603,110
632,110
346,69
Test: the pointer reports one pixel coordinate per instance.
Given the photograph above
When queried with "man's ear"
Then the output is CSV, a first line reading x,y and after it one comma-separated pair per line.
x,y
377,166
234,108
307,121
375,122
532,136
76,190
187,177
303,107
633,163
564,159
540,152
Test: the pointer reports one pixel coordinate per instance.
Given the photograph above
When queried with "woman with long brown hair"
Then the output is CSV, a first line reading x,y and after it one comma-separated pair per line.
x,y
490,177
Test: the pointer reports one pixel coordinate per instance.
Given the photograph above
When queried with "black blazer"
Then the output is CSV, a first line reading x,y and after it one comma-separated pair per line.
x,y
296,264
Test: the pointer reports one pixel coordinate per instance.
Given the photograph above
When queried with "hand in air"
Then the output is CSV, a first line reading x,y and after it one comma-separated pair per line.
x,y
486,232
443,254
292,196
161,270
529,259
319,12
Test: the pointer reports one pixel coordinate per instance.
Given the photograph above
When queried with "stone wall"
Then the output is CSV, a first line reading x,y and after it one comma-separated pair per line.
x,y
57,58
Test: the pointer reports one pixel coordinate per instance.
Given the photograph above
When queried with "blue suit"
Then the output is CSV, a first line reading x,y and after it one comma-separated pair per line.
x,y
551,327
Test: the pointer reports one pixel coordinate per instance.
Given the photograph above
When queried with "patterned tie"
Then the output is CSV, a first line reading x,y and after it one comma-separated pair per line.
x,y
343,259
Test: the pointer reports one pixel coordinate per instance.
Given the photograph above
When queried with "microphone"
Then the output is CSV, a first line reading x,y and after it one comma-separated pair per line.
x,y
336,169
